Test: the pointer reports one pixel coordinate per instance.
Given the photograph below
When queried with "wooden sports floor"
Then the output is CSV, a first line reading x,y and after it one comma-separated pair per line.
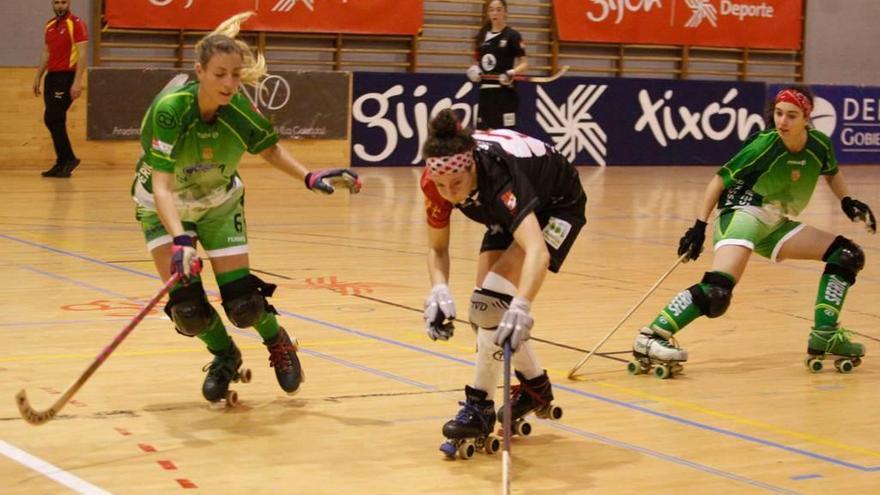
x,y
746,416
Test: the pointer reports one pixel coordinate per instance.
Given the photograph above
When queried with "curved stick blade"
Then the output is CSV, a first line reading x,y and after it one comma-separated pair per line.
x,y
28,413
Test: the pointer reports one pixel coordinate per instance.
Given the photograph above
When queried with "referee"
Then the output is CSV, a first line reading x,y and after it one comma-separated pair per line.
x,y
64,57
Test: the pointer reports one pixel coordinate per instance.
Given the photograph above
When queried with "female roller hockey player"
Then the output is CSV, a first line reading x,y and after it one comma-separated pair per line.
x,y
187,189
531,200
500,51
771,178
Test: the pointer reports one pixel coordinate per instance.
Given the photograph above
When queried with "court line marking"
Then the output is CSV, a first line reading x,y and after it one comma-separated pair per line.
x,y
50,471
393,342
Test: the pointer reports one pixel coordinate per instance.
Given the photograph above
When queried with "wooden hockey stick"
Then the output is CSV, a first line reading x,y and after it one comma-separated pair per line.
x,y
573,372
39,417
506,423
533,79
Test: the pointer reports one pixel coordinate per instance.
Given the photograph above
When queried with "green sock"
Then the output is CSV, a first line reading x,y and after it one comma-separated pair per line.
x,y
829,300
267,326
680,311
215,337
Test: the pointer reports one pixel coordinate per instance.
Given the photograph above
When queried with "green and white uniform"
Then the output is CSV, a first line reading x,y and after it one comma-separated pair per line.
x,y
204,157
764,184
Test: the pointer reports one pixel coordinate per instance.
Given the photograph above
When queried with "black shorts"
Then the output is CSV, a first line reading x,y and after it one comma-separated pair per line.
x,y
498,108
561,227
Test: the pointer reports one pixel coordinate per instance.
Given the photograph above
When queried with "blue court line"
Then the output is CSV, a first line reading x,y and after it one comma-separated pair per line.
x,y
806,477
670,417
75,282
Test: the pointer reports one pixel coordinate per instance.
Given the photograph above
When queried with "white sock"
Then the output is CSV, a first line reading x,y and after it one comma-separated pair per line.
x,y
487,368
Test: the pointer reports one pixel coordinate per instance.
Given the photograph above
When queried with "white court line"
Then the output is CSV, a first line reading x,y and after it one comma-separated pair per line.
x,y
48,470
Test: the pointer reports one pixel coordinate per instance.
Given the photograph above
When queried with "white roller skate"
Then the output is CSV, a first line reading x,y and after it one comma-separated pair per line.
x,y
657,349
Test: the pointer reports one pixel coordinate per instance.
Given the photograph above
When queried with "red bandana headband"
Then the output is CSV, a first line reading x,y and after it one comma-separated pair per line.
x,y
442,165
796,98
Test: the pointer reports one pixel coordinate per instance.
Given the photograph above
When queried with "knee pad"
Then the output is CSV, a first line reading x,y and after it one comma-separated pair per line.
x,y
844,258
487,308
244,300
190,311
712,295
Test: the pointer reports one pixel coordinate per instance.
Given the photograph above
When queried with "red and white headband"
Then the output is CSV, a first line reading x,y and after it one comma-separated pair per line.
x,y
452,164
796,98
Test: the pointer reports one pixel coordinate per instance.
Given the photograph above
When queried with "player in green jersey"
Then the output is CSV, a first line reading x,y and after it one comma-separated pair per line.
x,y
187,189
771,178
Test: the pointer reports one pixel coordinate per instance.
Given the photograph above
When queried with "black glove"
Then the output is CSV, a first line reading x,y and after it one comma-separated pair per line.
x,y
692,241
856,210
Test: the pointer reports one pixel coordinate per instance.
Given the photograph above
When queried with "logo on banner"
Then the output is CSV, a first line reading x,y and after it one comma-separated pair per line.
x,y
823,116
717,121
389,113
163,3
571,125
702,9
621,6
288,5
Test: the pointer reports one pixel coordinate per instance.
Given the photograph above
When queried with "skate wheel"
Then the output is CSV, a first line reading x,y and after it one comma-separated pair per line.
x,y
662,371
466,450
555,412
492,445
844,365
449,449
635,367
231,398
522,428
814,364
244,375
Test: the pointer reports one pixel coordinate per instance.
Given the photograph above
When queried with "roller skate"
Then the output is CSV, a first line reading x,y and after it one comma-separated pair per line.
x,y
471,430
282,357
535,395
833,341
225,368
655,348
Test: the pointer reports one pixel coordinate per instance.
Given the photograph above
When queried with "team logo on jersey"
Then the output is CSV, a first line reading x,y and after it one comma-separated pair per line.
x,y
488,62
502,43
208,153
509,200
162,146
795,175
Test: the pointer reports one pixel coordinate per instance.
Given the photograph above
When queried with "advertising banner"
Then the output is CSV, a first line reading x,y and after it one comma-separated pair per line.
x,y
402,17
729,23
593,121
301,105
850,116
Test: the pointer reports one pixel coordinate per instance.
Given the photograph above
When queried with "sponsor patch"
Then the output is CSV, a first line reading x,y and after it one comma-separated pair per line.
x,y
556,232
509,200
162,146
166,120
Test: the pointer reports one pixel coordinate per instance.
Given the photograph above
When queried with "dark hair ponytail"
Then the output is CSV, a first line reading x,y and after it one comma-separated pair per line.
x,y
446,136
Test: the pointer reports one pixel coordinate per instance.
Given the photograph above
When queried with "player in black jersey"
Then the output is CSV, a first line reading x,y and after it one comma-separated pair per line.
x,y
532,203
499,50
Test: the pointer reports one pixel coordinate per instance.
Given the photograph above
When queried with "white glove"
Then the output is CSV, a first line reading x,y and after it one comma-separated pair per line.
x,y
515,324
439,313
474,73
506,79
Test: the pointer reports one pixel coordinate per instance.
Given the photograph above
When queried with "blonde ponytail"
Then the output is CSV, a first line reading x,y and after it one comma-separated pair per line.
x,y
224,39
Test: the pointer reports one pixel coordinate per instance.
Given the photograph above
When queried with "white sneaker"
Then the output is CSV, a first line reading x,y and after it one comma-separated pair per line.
x,y
657,344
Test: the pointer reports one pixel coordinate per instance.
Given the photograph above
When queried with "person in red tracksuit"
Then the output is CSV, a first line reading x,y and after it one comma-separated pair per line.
x,y
64,57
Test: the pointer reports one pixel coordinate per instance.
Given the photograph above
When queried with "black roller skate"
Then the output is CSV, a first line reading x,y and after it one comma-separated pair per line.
x,y
833,341
225,368
282,357
535,395
471,430
657,349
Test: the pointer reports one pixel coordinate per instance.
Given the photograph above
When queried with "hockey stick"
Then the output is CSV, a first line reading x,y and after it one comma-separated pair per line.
x,y
505,423
533,79
39,417
572,373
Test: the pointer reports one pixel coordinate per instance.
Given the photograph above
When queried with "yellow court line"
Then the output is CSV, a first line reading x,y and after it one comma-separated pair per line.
x,y
742,420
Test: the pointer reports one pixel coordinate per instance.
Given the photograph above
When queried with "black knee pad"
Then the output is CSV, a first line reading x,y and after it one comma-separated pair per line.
x,y
244,300
714,301
844,258
189,309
